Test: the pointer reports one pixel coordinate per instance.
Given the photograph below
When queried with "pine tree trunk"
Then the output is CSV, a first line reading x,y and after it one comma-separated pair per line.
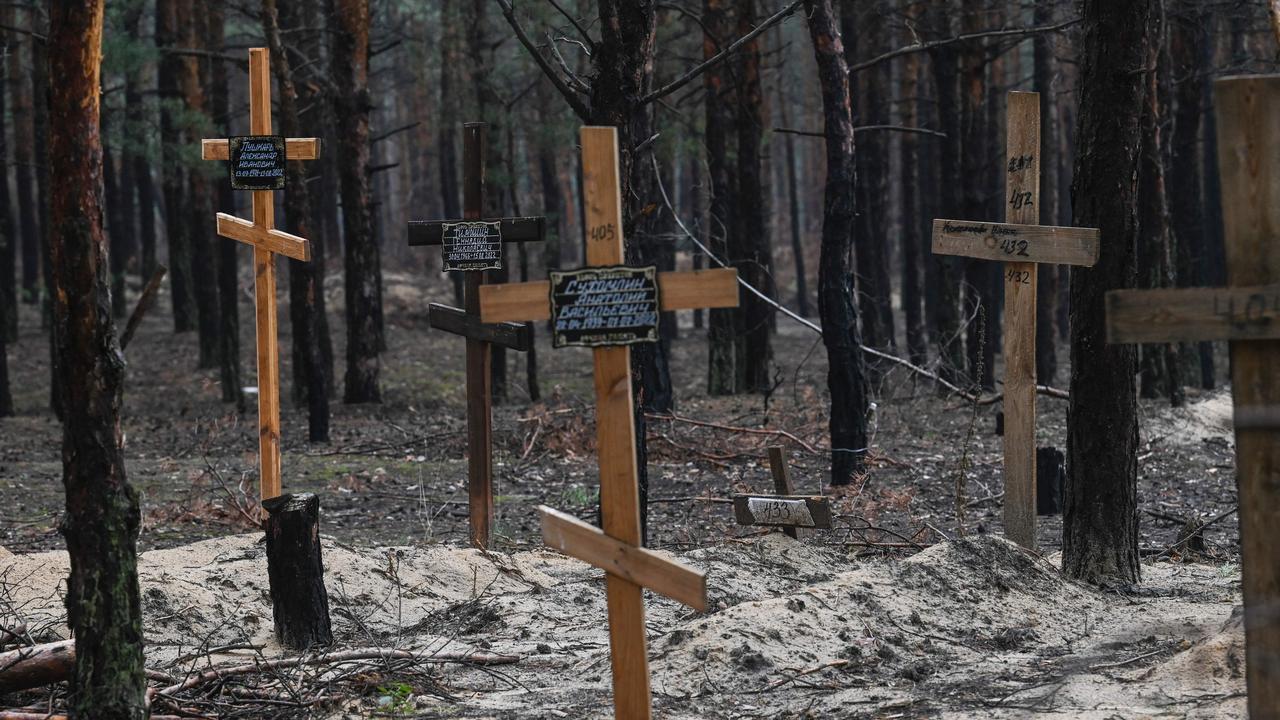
x,y
846,374
362,257
135,115
198,201
1047,282
23,177
1100,514
977,170
721,356
102,521
8,235
864,27
446,136
117,228
756,256
171,68
947,270
914,219
306,279
793,206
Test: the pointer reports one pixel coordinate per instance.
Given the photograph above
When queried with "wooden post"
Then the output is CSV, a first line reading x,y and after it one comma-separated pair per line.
x,y
299,601
1247,314
480,337
1021,243
1022,187
616,549
782,482
266,242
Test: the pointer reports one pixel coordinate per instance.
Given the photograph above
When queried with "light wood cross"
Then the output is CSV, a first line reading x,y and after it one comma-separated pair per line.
x,y
267,242
480,336
617,549
1247,313
1021,243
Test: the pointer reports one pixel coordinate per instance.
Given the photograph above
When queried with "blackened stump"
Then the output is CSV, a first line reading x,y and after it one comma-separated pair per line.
x,y
299,602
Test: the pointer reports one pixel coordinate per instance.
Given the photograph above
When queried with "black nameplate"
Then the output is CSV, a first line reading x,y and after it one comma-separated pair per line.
x,y
257,162
600,306
472,246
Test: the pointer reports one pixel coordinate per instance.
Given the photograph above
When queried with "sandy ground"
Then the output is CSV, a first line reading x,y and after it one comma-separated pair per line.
x,y
972,628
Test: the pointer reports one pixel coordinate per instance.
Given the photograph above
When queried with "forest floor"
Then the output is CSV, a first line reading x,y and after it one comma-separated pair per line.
x,y
906,622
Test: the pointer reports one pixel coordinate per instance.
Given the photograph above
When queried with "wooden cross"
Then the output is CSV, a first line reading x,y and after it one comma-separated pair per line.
x,y
480,336
617,549
1247,313
267,242
1021,243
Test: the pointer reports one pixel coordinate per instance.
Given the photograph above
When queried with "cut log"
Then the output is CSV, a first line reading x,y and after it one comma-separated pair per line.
x,y
300,604
37,665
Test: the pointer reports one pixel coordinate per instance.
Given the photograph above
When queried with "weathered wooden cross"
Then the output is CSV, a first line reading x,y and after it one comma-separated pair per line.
x,y
1021,243
466,322
250,170
617,549
1247,313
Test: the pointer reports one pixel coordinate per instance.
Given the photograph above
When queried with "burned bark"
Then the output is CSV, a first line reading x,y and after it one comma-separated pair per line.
x,y
722,359
181,283
101,524
295,569
846,375
1100,519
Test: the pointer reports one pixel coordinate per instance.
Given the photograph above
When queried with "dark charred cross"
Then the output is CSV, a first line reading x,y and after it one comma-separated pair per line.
x,y
466,322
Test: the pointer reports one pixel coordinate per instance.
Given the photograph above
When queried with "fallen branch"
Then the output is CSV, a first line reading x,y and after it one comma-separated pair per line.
x,y
144,305
22,715
218,674
790,678
37,665
734,428
12,635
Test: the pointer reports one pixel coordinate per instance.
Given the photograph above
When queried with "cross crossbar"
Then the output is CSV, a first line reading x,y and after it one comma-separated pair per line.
x,y
294,149
716,288
1013,242
1193,314
516,336
636,565
514,230
271,240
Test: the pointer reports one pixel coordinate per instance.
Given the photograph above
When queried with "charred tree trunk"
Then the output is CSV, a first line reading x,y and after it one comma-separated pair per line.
x,y
172,66
755,258
914,217
722,370
116,228
1047,283
104,606
846,376
198,201
947,270
793,206
40,128
306,279
299,601
1100,517
981,276
363,259
867,19
8,237
446,134
24,178
225,252
1188,47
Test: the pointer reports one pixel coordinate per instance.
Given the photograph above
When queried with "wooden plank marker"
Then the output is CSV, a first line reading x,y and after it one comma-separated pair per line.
x,y
256,162
617,549
785,511
472,246
1022,243
1246,314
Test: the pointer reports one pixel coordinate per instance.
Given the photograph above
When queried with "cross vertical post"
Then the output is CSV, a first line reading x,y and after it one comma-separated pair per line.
x,y
1247,313
480,337
266,242
630,568
1021,243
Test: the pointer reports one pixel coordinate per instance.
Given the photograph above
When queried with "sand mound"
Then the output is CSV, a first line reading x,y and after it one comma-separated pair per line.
x,y
1209,418
973,627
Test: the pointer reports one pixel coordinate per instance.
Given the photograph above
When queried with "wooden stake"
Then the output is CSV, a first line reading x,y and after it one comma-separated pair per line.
x,y
782,481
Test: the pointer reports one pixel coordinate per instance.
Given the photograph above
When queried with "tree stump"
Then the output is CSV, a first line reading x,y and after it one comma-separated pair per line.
x,y
299,602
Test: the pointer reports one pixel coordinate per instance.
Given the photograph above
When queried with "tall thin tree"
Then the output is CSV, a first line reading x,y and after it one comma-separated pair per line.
x,y
104,605
1100,512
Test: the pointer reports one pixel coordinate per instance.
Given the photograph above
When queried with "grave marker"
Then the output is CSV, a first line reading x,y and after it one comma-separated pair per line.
x,y
267,242
1248,116
786,511
1021,243
616,549
472,246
